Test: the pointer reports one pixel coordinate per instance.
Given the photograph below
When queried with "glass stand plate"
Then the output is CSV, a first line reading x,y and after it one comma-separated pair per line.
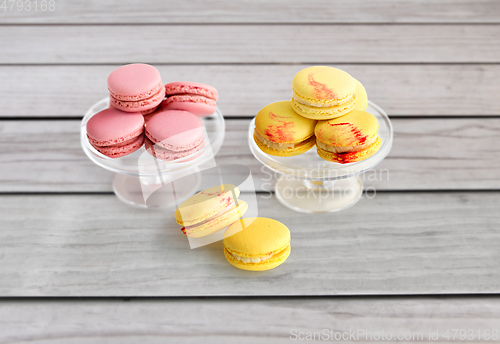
x,y
142,180
310,184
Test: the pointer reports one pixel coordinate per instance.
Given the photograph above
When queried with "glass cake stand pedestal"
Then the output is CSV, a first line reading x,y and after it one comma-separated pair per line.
x,y
147,182
309,184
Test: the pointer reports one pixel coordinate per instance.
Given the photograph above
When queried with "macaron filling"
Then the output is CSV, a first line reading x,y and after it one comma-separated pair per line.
x,y
346,149
218,220
341,109
154,100
253,259
281,147
115,142
349,157
260,258
121,149
321,102
190,88
194,223
137,97
272,144
189,99
199,99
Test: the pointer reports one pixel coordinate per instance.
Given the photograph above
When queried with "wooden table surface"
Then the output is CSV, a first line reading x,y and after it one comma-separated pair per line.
x,y
78,266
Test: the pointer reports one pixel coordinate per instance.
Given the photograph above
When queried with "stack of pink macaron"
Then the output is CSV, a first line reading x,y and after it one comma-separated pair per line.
x,y
143,110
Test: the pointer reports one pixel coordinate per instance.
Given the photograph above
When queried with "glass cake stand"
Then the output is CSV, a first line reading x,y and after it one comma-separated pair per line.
x,y
146,182
309,184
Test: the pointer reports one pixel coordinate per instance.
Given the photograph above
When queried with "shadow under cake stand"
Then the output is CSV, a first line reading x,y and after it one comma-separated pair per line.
x,y
139,173
309,184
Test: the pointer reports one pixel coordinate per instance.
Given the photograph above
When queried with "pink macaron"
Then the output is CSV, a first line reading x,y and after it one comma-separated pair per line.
x,y
199,99
136,88
174,134
115,133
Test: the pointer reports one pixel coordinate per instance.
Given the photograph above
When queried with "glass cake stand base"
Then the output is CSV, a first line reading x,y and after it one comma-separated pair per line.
x,y
318,197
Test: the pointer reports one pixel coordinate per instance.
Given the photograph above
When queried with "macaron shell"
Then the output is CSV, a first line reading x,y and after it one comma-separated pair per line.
x,y
206,204
219,222
324,113
135,82
298,149
278,122
142,105
112,126
361,96
269,264
175,130
116,142
345,158
195,88
197,105
323,85
355,128
121,150
149,112
257,236
167,155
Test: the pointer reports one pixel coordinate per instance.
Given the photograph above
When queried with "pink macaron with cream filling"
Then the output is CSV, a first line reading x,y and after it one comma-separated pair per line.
x,y
115,133
174,134
136,88
199,99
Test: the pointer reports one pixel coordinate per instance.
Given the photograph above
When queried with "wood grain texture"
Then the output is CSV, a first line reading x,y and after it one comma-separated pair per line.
x,y
395,243
260,11
402,90
241,320
427,154
318,44
63,245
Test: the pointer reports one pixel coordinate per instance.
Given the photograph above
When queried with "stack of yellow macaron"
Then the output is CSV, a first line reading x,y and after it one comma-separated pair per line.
x,y
327,110
255,244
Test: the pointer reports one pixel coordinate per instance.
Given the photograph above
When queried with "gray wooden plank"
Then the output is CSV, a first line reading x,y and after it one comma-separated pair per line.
x,y
403,90
427,154
244,320
394,243
260,11
62,44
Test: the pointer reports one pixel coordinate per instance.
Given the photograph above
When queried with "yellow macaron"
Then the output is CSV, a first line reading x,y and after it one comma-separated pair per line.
x,y
322,92
257,244
361,96
349,138
280,131
210,210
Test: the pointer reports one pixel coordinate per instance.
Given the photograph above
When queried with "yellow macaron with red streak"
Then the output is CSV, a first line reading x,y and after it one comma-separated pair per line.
x,y
210,210
322,92
349,138
257,244
280,131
